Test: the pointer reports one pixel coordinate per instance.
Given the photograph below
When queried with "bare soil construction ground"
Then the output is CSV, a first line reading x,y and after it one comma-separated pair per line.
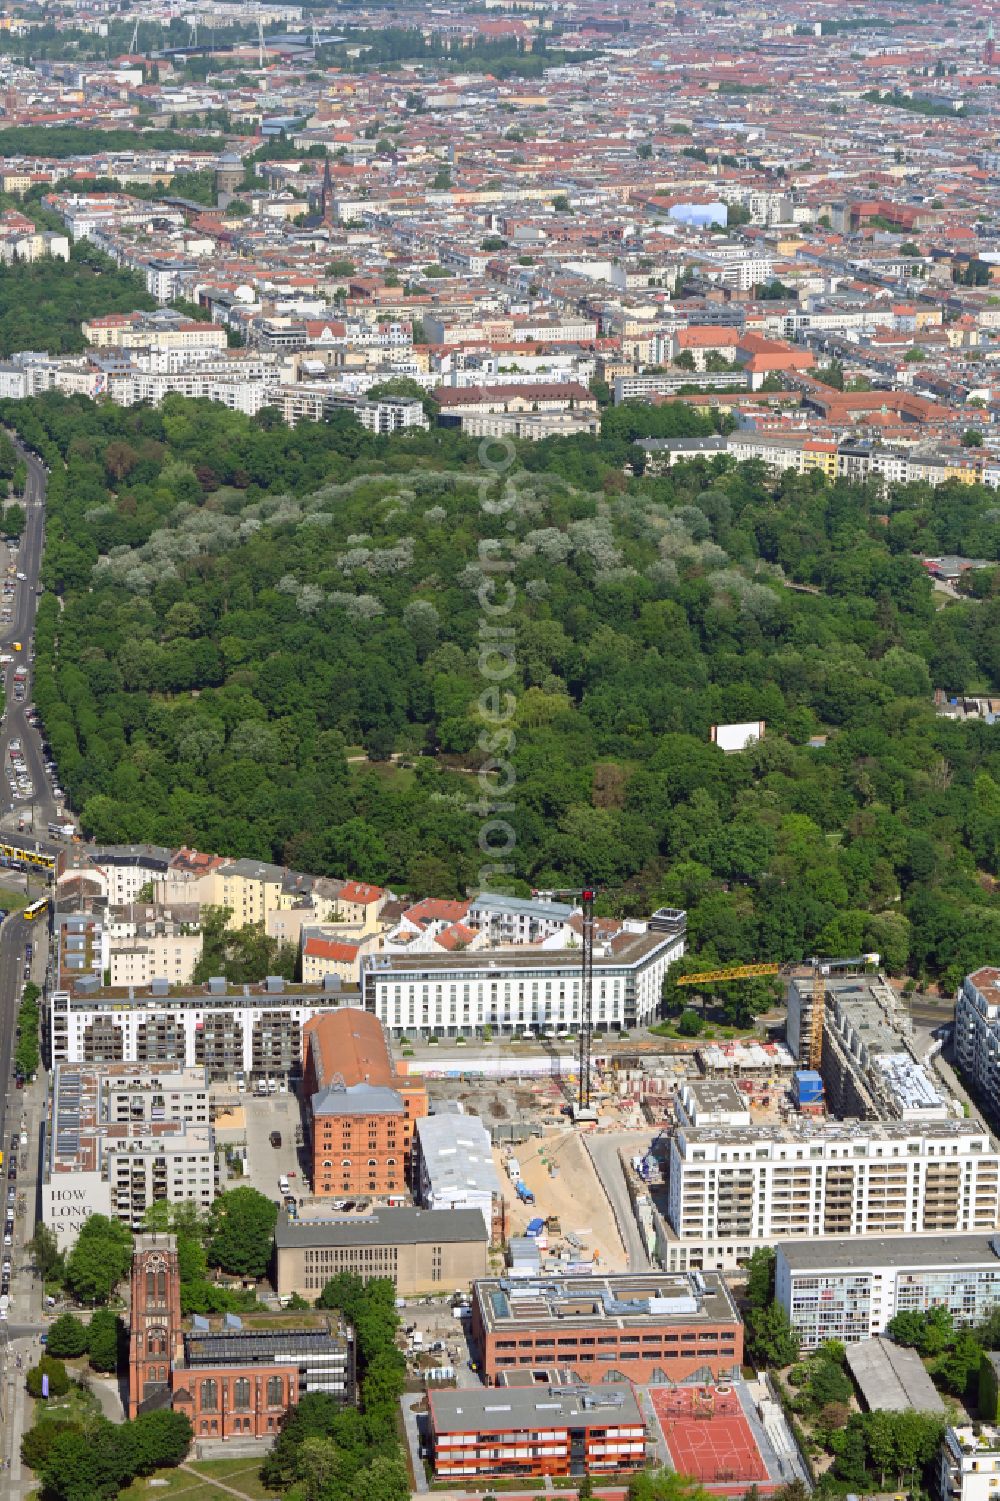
x,y
574,1195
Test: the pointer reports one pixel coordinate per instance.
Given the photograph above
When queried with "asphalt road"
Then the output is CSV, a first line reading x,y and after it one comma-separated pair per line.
x,y
15,932
22,629
930,1013
604,1150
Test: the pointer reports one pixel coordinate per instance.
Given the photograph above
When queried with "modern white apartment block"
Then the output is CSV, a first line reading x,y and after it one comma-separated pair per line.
x,y
970,1463
830,1291
118,1140
513,992
253,1028
173,1164
977,1033
153,1095
731,1190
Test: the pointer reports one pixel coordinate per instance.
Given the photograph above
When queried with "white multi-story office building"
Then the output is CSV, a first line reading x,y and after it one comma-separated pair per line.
x,y
736,266
731,1189
977,1033
668,383
514,992
829,1291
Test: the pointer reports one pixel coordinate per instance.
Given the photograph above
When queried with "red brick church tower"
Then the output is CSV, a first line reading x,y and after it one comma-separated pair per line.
x,y
155,1333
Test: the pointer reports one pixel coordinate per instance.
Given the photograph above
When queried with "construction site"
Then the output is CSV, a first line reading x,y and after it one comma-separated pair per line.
x,y
847,1054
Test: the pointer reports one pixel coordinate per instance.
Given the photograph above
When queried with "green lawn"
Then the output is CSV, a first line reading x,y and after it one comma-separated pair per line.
x,y
176,1482
709,1033
238,1474
401,777
11,900
305,1318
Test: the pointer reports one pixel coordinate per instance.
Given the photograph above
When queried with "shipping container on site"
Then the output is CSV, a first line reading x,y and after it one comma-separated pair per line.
x,y
807,1086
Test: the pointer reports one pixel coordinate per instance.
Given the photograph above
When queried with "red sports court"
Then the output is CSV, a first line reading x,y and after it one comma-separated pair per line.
x,y
708,1436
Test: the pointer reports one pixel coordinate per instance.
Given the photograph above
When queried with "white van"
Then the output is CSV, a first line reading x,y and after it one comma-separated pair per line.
x,y
284,1185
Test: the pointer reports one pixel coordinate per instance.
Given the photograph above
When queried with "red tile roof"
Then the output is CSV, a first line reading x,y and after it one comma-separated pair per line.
x,y
328,948
359,893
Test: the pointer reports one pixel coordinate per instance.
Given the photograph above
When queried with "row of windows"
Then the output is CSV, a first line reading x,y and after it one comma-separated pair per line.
x,y
328,1186
208,1393
237,1425
383,1254
372,1162
652,1345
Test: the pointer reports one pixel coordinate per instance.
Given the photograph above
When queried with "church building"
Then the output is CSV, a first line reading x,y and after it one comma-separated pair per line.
x,y
229,1381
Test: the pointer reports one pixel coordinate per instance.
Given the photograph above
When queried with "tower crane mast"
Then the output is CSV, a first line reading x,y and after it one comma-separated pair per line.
x,y
586,897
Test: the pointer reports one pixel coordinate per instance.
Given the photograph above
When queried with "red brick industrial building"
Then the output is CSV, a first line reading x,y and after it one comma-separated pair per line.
x,y
362,1112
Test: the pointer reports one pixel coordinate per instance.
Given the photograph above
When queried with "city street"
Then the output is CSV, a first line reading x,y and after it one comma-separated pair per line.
x,y
22,1109
41,809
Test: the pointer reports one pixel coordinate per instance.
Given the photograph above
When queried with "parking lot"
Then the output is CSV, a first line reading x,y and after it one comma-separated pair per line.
x,y
264,1114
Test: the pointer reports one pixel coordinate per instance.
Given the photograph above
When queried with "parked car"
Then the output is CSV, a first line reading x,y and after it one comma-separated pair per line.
x,y
275,1139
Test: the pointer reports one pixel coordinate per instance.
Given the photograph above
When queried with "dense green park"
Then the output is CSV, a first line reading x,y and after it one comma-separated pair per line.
x,y
268,645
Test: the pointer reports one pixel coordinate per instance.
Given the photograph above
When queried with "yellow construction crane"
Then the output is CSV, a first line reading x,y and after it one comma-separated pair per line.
x,y
731,972
822,969
585,897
